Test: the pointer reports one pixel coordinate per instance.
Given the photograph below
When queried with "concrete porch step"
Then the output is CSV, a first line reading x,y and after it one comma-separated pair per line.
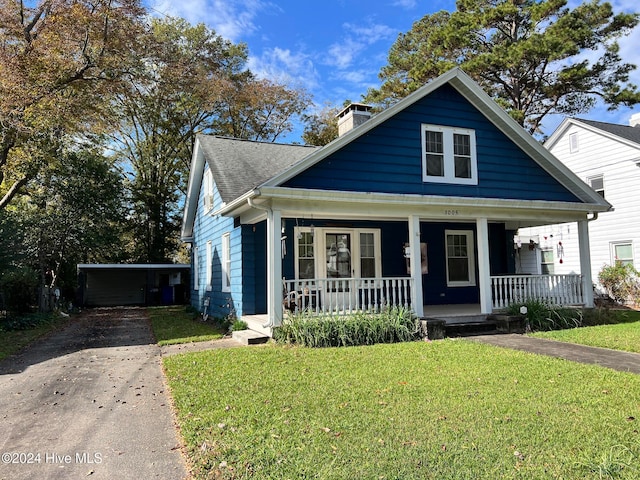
x,y
249,337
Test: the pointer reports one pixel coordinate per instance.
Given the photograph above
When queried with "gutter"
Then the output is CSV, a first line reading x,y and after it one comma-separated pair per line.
x,y
251,203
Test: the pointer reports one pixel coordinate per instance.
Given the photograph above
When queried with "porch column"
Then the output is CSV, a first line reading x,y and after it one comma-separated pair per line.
x,y
416,267
585,263
274,267
484,266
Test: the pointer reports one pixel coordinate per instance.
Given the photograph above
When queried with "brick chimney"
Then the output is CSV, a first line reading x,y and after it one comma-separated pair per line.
x,y
634,121
352,116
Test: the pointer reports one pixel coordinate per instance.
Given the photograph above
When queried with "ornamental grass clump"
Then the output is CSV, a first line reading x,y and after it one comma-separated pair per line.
x,y
545,317
360,328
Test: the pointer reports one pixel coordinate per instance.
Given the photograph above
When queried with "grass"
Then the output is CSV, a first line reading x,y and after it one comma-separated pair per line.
x,y
621,336
451,409
13,341
175,324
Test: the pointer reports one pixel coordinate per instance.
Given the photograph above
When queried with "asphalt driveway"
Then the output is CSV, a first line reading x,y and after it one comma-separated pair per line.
x,y
89,402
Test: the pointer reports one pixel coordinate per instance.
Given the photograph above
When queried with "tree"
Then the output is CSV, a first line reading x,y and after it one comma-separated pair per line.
x,y
73,213
259,110
534,57
321,128
193,82
60,62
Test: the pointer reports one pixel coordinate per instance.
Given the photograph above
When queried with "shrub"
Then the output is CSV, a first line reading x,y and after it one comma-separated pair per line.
x,y
239,325
19,288
621,282
361,328
544,317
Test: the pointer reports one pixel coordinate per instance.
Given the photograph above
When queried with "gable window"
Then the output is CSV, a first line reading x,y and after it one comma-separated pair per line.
x,y
622,253
209,265
449,155
196,269
546,262
460,258
597,183
573,143
226,262
207,190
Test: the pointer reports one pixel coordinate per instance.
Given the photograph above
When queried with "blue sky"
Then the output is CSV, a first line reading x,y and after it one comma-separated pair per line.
x,y
335,48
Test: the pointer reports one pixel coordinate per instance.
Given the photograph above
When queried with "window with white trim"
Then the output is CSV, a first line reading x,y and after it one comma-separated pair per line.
x,y
597,183
207,190
461,267
196,269
547,266
209,265
306,265
449,155
226,262
622,253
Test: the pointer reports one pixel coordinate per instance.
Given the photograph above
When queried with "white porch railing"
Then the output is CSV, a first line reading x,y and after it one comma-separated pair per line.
x,y
553,289
346,295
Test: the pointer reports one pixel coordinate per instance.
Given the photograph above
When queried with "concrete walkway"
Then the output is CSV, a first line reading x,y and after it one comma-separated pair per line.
x,y
89,401
614,359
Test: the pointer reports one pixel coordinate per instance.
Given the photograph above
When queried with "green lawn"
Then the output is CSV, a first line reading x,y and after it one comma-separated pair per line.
x,y
175,324
13,341
622,336
450,409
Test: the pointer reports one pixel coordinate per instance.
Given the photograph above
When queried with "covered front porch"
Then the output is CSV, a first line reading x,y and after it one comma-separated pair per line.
x,y
329,258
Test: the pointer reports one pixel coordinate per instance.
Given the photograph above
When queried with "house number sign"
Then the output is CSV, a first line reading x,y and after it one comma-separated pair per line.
x,y
452,213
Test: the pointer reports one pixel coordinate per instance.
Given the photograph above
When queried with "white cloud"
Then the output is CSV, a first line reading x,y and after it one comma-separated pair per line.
x,y
344,53
284,66
231,19
407,4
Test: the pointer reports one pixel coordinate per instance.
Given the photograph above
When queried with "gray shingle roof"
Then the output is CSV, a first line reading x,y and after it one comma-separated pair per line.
x,y
623,131
241,165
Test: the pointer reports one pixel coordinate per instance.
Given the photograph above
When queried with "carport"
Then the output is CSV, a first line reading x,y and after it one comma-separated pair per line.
x,y
108,285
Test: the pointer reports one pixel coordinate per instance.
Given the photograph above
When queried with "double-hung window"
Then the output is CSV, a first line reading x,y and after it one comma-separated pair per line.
x,y
597,183
622,253
449,155
461,267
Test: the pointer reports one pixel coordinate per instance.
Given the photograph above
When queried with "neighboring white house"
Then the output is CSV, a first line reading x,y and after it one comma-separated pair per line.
x,y
607,157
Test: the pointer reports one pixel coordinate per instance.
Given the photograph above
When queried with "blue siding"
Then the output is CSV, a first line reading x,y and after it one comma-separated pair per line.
x,y
207,228
388,158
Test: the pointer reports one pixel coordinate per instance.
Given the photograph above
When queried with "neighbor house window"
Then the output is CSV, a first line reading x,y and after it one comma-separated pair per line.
x,y
546,262
449,155
460,258
196,269
597,183
209,265
622,253
226,262
573,143
207,190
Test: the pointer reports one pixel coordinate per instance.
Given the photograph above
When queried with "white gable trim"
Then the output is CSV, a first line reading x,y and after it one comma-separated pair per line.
x,y
196,172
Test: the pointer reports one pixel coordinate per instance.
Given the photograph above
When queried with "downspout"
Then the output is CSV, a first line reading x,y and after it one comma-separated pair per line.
x,y
250,202
595,217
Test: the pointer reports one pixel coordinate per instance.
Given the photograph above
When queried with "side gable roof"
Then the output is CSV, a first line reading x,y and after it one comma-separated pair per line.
x,y
241,165
626,133
237,166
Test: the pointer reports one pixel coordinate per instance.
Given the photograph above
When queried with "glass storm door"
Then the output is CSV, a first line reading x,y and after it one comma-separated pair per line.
x,y
338,257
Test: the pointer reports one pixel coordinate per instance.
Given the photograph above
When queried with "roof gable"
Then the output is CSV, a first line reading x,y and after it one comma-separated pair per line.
x,y
493,113
388,159
622,133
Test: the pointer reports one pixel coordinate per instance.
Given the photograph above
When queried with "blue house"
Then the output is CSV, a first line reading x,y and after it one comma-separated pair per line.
x,y
416,206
